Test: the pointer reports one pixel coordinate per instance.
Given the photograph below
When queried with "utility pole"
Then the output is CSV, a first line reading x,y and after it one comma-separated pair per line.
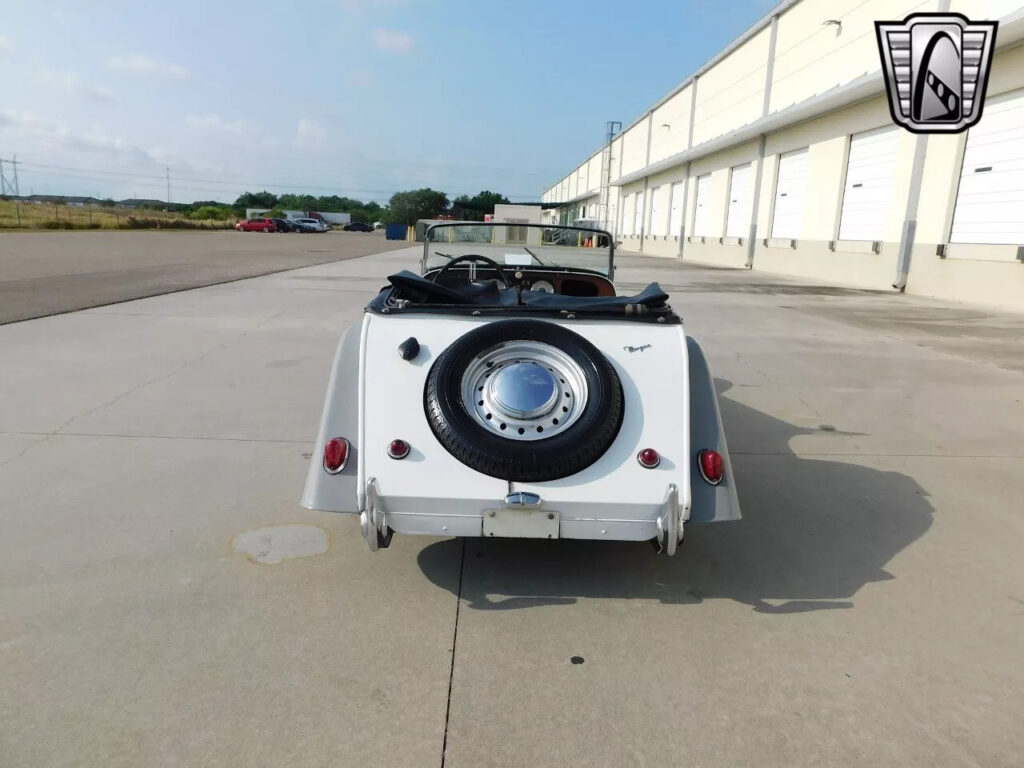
x,y
168,187
9,186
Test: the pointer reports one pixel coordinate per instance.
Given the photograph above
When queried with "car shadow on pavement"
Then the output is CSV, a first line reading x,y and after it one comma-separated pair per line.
x,y
813,532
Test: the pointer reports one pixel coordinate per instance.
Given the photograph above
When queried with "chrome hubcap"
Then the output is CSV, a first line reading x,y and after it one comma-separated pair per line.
x,y
524,390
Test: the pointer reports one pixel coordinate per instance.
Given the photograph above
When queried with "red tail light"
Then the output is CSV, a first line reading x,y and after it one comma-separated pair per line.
x,y
398,449
711,466
336,452
648,458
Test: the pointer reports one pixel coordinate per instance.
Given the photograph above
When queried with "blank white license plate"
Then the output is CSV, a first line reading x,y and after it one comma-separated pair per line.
x,y
521,523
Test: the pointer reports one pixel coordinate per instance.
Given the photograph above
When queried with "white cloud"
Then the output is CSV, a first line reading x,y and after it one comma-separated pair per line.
x,y
392,41
214,122
137,64
309,132
69,82
5,43
51,134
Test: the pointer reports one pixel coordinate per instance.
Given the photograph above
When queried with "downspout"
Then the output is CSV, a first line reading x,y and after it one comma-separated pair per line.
x,y
758,175
906,249
903,255
647,162
752,242
682,224
686,181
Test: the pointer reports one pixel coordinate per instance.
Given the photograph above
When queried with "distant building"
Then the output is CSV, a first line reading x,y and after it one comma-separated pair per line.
x,y
780,154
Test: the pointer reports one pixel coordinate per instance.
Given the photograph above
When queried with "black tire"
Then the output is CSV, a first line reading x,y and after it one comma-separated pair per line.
x,y
535,461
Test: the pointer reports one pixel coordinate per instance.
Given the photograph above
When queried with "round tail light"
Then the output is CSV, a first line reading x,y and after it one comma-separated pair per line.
x,y
648,458
336,452
711,466
398,449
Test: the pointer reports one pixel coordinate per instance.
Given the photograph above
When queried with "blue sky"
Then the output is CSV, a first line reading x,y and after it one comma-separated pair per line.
x,y
354,97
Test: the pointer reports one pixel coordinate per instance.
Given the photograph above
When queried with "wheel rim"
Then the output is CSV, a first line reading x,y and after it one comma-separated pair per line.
x,y
524,390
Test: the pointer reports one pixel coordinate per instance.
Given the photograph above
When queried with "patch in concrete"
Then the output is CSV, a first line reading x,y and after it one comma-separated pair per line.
x,y
282,363
277,543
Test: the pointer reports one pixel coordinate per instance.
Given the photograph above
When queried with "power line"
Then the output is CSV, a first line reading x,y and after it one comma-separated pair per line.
x,y
187,182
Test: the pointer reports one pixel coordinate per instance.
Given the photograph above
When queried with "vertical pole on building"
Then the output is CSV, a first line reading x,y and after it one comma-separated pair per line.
x,y
689,145
759,173
906,247
647,162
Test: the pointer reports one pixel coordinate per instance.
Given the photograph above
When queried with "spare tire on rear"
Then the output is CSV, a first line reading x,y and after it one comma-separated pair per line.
x,y
524,400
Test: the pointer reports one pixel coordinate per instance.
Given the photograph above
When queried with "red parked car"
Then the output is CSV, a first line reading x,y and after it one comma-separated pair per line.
x,y
256,225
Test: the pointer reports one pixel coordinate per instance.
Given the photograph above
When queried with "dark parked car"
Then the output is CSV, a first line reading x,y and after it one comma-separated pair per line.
x,y
283,225
358,226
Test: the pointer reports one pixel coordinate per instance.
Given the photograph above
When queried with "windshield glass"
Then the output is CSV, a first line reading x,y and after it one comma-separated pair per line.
x,y
519,245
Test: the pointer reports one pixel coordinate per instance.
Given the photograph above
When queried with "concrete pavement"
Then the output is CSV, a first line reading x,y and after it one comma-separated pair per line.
x,y
44,273
867,610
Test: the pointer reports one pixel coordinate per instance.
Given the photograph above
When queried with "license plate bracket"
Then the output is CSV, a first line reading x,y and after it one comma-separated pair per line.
x,y
521,523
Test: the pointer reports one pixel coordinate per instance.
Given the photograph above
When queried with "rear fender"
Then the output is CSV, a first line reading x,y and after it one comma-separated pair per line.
x,y
709,503
340,492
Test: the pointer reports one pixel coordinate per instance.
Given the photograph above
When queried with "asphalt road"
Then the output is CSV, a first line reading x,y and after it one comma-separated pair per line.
x,y
154,610
45,273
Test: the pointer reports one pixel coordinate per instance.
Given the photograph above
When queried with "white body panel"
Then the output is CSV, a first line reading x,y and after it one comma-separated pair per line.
x,y
375,396
430,489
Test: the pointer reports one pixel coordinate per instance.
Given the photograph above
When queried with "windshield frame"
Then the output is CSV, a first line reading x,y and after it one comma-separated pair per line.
x,y
593,230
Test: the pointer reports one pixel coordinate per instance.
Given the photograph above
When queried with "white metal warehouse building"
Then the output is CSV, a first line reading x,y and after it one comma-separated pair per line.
x,y
780,155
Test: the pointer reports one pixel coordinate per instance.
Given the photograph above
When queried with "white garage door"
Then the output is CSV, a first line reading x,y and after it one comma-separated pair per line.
x,y
638,214
737,223
675,223
870,174
702,206
990,200
656,226
790,191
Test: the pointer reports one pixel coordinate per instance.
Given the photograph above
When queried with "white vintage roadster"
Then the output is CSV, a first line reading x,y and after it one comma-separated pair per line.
x,y
507,390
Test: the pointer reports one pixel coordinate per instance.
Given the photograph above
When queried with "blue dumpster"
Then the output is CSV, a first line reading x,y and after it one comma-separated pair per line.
x,y
395,231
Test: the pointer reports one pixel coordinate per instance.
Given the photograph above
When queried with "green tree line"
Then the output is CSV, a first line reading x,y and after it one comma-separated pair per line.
x,y
403,207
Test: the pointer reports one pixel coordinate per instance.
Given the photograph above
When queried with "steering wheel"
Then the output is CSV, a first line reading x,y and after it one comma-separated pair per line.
x,y
474,257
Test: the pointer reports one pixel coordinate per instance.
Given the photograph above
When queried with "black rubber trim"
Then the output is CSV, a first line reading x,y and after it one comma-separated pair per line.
x,y
561,455
381,304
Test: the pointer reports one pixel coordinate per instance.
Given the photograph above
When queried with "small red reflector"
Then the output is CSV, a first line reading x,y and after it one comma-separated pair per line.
x,y
336,455
648,458
398,449
711,466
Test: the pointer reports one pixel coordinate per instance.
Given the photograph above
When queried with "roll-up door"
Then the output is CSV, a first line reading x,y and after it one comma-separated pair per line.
x,y
870,174
702,206
790,192
656,226
675,223
737,223
990,199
